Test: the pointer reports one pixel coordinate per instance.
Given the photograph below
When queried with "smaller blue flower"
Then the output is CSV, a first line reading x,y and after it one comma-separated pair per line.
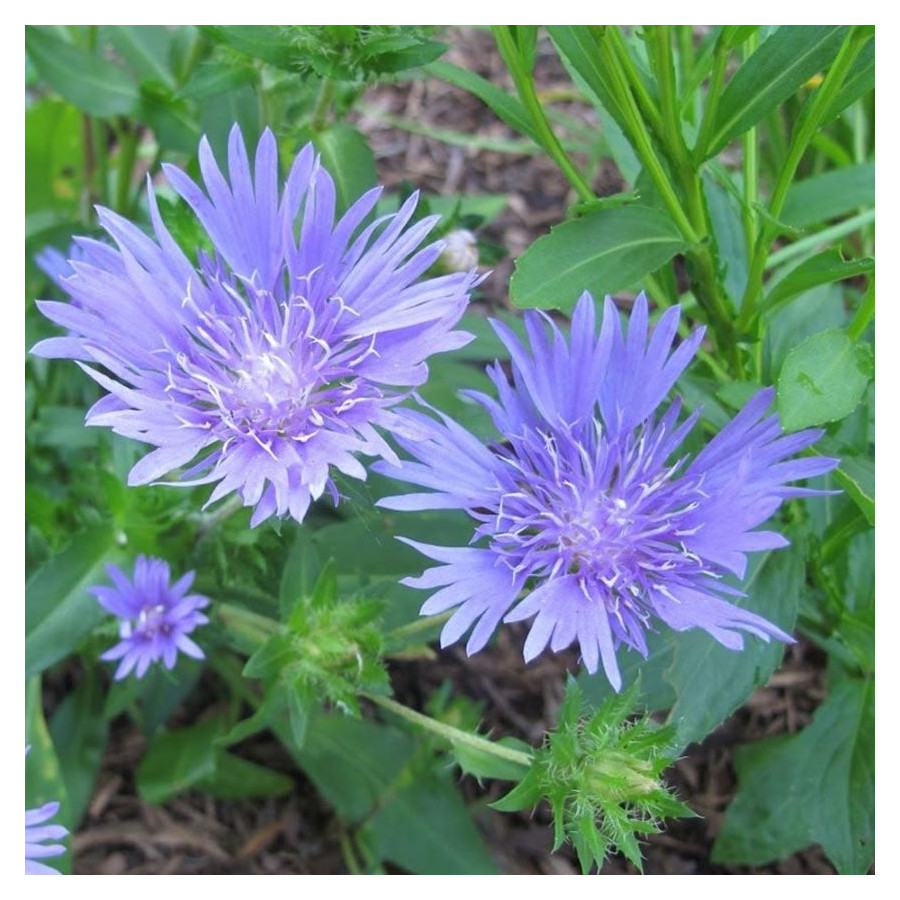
x,y
156,617
36,832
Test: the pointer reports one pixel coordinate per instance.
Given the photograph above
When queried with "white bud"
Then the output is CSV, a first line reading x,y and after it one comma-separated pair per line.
x,y
460,251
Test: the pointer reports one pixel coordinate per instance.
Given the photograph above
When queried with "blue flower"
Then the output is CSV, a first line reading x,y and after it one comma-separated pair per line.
x,y
156,617
589,514
271,362
37,833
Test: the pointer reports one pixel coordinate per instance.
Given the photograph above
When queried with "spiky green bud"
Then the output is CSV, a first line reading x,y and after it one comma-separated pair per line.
x,y
601,777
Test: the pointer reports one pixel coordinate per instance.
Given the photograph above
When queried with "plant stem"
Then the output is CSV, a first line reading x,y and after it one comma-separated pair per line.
x,y
256,629
524,82
645,103
810,120
704,267
750,167
449,733
720,62
323,104
420,624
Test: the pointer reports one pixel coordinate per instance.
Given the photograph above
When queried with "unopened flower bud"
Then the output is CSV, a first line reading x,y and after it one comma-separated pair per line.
x,y
460,252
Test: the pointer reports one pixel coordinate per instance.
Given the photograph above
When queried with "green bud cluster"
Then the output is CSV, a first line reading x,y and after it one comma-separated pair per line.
x,y
601,776
328,653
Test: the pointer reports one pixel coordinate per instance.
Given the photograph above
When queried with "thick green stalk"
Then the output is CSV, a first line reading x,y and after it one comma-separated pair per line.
x,y
808,125
449,733
547,138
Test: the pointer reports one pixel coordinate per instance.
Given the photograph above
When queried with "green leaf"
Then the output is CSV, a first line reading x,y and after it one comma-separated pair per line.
x,y
653,690
347,156
53,148
426,828
301,569
602,252
857,631
239,105
856,475
577,48
79,730
859,81
235,778
269,43
728,233
815,310
821,381
178,760
352,762
829,195
710,681
784,62
146,49
823,268
815,786
92,83
507,107
43,779
58,610
214,77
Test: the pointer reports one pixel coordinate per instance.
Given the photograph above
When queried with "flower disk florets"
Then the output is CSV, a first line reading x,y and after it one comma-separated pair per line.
x,y
269,363
589,506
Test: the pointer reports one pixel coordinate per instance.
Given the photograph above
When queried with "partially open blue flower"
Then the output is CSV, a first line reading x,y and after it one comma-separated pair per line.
x,y
589,514
271,362
37,833
157,617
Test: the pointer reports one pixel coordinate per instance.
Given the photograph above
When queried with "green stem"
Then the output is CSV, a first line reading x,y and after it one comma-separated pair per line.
x,y
684,34
808,125
640,138
251,626
420,624
545,135
323,104
689,215
645,102
750,167
720,63
449,733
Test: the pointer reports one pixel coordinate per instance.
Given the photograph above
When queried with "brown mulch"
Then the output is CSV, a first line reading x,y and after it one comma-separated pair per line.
x,y
196,834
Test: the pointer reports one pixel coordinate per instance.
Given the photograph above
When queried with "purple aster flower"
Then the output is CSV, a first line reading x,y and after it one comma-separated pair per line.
x,y
36,833
157,617
270,362
588,513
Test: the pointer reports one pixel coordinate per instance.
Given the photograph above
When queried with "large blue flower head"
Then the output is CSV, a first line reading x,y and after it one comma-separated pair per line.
x,y
156,616
271,360
588,513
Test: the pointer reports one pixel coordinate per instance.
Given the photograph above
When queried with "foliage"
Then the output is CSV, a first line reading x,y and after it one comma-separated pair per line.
x,y
746,156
